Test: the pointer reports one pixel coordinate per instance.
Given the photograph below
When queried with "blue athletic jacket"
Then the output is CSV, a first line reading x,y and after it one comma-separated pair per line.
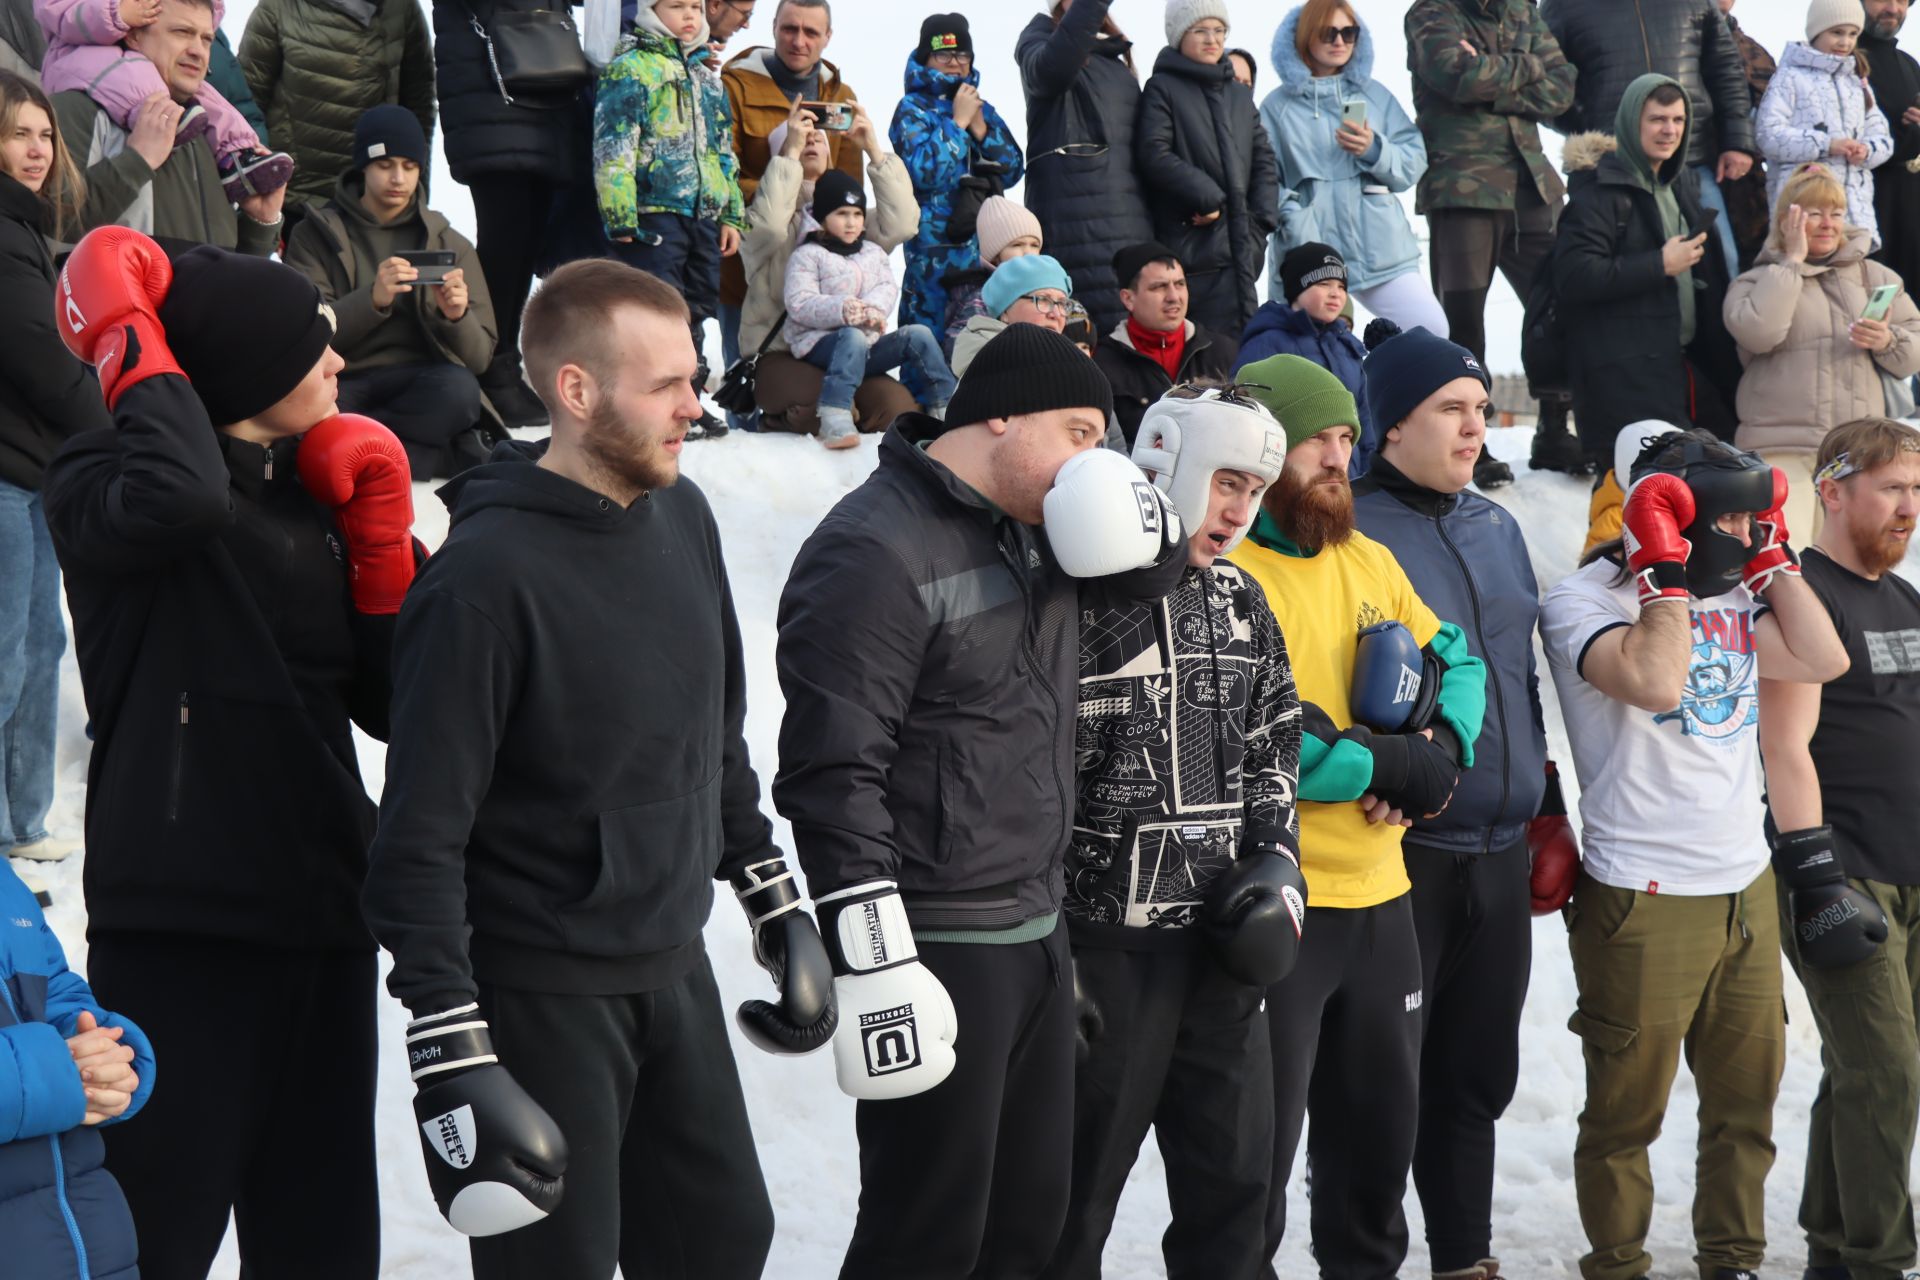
x,y
1278,330
61,1213
1467,558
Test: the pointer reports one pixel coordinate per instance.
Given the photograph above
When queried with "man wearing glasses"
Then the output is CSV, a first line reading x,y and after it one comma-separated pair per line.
x,y
727,18
1156,345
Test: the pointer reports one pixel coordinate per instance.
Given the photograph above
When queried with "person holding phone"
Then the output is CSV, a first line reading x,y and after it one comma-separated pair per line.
x,y
416,332
1822,329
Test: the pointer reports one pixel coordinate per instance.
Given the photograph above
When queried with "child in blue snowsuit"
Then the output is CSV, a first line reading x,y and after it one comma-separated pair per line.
x,y
940,152
67,1067
1313,277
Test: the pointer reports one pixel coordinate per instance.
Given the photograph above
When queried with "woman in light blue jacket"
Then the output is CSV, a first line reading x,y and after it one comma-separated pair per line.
x,y
1339,181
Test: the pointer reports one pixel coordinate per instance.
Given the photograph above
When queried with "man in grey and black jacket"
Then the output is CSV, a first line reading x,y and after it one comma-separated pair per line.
x,y
1468,863
929,651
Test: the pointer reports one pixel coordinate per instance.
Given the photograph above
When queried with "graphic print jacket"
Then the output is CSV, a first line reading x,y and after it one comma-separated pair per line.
x,y
1187,751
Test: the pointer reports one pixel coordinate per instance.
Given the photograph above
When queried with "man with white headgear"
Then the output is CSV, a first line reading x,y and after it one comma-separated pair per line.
x,y
1184,893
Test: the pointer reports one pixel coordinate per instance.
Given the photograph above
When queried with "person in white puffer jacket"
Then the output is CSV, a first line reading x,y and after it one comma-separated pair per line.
x,y
1818,108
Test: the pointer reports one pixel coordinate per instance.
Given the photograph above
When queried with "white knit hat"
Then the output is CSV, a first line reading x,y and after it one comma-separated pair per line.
x,y
1000,223
1824,15
1184,15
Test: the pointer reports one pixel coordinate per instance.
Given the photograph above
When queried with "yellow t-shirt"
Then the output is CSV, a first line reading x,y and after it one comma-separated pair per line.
x,y
1322,603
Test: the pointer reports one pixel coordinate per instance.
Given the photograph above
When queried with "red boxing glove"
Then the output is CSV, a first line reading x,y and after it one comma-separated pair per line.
x,y
357,467
1658,507
1771,554
1555,853
108,308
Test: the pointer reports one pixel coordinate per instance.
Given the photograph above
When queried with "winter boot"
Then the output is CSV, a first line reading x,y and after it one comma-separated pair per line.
x,y
194,123
45,849
36,886
254,173
467,450
510,396
837,429
1489,472
1555,448
1738,1273
1485,1269
708,427
938,412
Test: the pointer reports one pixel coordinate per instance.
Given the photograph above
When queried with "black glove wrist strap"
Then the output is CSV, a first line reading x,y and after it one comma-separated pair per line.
x,y
766,890
1806,858
453,1041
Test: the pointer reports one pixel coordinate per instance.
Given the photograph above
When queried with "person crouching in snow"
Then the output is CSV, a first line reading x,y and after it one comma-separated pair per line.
x,y
70,1067
840,289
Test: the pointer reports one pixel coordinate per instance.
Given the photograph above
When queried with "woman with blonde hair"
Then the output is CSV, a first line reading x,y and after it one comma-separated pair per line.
x,y
45,396
1816,354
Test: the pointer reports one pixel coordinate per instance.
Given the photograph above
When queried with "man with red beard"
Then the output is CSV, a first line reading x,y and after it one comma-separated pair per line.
x,y
1840,778
1347,1021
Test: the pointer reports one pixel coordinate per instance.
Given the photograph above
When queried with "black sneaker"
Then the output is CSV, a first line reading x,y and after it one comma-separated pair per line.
x,y
707,427
1491,473
516,404
1739,1273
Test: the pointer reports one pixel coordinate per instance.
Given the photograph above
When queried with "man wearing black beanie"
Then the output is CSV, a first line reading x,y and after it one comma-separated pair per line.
x,y
235,553
929,645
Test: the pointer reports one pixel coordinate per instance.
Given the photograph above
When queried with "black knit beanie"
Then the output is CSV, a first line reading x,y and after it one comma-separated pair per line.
x,y
389,130
1307,265
1130,261
943,33
245,330
1028,369
836,190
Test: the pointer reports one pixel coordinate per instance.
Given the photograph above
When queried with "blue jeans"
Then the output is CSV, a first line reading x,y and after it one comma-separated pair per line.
x,y
32,637
849,361
1710,198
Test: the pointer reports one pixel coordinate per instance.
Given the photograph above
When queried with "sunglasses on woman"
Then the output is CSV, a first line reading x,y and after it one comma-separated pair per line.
x,y
1340,35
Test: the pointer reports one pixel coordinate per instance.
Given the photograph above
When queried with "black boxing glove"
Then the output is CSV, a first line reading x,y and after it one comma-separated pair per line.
x,y
1413,772
1834,924
787,944
495,1159
1254,915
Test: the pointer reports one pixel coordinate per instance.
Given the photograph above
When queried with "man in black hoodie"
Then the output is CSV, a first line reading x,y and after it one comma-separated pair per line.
x,y
568,776
929,653
225,645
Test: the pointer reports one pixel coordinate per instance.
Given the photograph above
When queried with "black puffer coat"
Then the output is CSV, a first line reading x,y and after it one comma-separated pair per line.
x,y
1199,148
542,138
1611,43
1081,100
45,394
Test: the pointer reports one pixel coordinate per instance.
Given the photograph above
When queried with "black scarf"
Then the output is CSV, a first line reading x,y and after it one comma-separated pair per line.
x,y
834,244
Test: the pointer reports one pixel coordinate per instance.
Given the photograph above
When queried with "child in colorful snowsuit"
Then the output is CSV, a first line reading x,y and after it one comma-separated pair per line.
x,y
85,53
1818,108
839,291
67,1067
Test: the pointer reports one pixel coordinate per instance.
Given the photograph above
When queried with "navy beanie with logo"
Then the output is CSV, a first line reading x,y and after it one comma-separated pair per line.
x,y
388,130
1410,366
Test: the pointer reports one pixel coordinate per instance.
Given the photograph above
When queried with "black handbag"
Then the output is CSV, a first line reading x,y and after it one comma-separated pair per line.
x,y
736,384
534,52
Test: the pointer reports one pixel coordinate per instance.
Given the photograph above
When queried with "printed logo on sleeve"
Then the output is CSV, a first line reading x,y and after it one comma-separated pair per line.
x,y
890,1038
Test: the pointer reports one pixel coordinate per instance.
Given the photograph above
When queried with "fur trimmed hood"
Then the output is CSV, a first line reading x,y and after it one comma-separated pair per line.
x,y
1584,151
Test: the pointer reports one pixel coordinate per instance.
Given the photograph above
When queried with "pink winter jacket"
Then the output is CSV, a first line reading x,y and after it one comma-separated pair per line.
x,y
821,282
1804,377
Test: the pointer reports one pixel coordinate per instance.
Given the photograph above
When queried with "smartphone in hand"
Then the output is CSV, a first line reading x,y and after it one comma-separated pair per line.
x,y
1708,218
1354,113
835,117
1880,301
432,264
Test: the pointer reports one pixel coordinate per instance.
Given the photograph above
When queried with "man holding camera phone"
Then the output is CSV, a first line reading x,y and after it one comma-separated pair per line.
x,y
415,324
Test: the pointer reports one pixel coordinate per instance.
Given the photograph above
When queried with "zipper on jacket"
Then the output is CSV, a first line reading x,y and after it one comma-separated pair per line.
x,y
179,754
1499,699
59,1172
1646,46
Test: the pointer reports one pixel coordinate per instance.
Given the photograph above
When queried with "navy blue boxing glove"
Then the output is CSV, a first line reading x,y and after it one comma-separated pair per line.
x,y
1395,682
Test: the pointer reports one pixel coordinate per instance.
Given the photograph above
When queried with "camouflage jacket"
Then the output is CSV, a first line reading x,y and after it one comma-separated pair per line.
x,y
1480,113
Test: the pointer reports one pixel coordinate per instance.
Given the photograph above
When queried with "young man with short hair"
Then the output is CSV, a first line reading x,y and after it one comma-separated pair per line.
x,y
1840,789
1156,345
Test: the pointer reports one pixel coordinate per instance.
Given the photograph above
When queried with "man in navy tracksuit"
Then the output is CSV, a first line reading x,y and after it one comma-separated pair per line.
x,y
1469,864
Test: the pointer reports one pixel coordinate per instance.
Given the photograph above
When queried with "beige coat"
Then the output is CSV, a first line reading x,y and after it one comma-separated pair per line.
x,y
1803,376
778,218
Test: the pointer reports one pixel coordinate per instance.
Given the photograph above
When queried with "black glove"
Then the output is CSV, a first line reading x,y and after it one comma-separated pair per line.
x,y
787,944
1834,924
1254,915
1412,772
495,1159
1088,1024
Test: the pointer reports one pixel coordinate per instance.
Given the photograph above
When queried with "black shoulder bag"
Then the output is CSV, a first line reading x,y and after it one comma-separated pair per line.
x,y
533,52
736,384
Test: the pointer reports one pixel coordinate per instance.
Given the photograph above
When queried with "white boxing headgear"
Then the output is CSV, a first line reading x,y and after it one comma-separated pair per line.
x,y
1189,433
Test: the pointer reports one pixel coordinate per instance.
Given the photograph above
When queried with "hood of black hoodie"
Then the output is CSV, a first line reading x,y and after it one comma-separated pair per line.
x,y
511,478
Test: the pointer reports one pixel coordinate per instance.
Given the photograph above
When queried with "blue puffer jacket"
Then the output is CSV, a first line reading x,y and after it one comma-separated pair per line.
x,y
1469,560
1279,330
938,154
1330,195
61,1215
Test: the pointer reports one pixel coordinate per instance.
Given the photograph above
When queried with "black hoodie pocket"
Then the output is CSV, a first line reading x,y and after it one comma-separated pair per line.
x,y
654,885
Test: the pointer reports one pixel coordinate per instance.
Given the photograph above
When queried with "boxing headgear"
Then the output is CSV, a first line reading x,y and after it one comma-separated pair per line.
x,y
1187,435
1722,479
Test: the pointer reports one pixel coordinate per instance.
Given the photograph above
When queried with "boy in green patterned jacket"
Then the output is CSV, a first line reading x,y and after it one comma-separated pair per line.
x,y
663,161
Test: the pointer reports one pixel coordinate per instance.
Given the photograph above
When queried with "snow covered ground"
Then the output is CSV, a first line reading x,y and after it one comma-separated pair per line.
x,y
768,492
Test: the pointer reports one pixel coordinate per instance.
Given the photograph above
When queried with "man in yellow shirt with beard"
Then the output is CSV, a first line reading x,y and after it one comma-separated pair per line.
x,y
1375,751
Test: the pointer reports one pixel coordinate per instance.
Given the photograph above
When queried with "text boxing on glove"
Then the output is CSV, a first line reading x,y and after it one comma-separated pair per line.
x,y
495,1159
359,468
1555,853
1834,924
1395,683
108,308
1254,916
1771,554
1412,772
1658,507
1104,516
897,1023
788,947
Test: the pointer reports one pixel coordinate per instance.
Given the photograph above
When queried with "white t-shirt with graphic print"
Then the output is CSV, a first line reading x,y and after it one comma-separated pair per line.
x,y
1669,802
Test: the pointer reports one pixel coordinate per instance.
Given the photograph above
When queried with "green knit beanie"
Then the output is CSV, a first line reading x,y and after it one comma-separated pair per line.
x,y
1306,398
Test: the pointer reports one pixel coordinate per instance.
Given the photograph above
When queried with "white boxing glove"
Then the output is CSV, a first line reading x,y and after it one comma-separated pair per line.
x,y
897,1023
1104,516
